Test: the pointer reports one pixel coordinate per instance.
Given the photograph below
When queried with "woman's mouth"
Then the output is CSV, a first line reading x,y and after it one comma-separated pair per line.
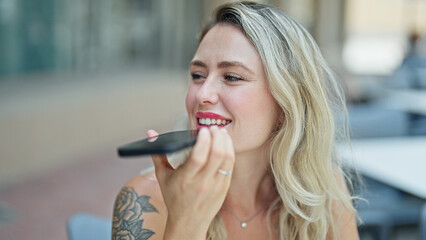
x,y
209,119
212,122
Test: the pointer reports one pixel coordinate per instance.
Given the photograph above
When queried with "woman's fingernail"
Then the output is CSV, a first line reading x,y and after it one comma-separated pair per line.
x,y
224,130
214,127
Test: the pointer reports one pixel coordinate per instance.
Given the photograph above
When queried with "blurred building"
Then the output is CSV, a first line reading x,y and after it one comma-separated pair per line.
x,y
81,35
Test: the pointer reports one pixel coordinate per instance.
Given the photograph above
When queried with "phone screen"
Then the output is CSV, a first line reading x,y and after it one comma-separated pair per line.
x,y
164,143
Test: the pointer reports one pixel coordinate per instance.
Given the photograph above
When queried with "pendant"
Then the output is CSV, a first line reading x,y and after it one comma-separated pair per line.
x,y
243,224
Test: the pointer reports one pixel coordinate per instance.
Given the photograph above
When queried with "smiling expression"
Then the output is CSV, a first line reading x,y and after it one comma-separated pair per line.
x,y
229,89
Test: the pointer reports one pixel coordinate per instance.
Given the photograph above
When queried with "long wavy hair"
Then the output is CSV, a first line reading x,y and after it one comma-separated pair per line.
x,y
303,158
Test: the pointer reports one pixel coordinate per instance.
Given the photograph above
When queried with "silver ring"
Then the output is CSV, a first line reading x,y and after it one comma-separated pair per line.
x,y
226,173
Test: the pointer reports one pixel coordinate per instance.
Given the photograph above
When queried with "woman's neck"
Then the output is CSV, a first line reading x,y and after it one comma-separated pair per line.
x,y
252,185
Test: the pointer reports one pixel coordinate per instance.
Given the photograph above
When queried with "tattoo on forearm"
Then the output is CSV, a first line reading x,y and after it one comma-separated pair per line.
x,y
127,220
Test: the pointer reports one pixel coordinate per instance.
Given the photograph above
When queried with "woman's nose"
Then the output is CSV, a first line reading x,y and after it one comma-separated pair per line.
x,y
208,92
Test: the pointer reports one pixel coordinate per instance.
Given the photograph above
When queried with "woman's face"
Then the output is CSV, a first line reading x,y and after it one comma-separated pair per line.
x,y
229,89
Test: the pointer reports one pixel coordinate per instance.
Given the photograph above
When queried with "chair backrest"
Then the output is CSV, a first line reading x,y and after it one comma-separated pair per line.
x,y
376,225
84,226
423,223
372,120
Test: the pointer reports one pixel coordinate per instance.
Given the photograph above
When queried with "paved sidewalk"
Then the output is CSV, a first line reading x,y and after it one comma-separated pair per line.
x,y
38,208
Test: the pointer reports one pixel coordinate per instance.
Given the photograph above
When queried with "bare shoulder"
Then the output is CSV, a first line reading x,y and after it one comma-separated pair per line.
x,y
139,210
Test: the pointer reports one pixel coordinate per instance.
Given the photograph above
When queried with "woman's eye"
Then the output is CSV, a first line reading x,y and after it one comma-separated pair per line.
x,y
196,76
233,78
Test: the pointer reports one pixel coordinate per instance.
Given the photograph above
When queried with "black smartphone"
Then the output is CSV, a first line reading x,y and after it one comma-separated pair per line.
x,y
164,143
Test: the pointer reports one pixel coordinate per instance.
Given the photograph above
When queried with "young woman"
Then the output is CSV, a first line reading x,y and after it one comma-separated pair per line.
x,y
264,165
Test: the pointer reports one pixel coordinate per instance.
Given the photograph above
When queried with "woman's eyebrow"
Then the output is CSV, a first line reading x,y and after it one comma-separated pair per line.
x,y
223,64
198,63
226,64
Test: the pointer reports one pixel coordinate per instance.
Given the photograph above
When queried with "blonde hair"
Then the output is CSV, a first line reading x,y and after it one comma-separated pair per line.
x,y
303,159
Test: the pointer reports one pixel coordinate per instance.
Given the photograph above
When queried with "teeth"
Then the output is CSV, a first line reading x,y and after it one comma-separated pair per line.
x,y
208,121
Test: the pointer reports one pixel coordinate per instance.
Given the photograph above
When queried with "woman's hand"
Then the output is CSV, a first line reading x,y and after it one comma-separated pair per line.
x,y
194,193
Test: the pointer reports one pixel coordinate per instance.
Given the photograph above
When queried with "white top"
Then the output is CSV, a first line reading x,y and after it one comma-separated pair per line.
x,y
399,162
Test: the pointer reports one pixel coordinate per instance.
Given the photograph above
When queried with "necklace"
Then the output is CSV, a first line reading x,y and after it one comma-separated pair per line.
x,y
243,223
